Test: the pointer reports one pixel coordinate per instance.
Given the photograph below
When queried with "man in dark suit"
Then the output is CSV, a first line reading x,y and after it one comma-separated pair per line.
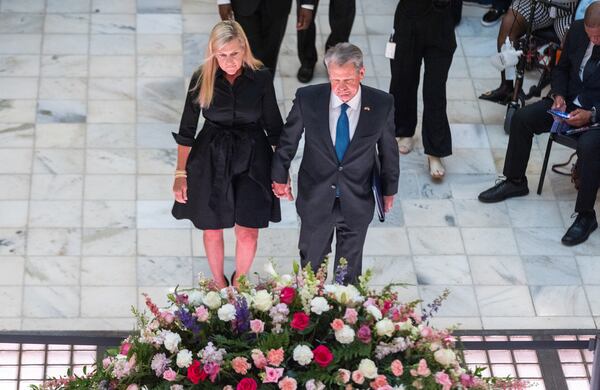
x,y
346,127
575,89
341,19
264,23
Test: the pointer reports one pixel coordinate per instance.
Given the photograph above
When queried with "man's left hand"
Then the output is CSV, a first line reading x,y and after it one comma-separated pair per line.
x,y
305,16
388,202
579,117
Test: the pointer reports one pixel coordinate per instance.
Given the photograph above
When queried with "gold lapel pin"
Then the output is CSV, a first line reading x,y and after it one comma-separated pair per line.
x,y
367,108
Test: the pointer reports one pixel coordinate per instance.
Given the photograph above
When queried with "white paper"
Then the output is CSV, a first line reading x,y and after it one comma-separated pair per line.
x,y
390,50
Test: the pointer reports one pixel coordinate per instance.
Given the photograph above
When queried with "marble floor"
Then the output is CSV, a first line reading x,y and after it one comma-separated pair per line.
x,y
89,93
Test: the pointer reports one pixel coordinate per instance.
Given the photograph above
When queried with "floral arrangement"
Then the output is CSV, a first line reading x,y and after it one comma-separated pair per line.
x,y
289,332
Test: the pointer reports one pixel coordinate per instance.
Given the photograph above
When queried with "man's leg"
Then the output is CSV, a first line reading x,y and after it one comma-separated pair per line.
x,y
273,23
315,243
341,19
349,245
307,53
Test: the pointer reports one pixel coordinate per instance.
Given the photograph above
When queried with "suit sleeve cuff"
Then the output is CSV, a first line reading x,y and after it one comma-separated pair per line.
x,y
181,140
308,6
223,2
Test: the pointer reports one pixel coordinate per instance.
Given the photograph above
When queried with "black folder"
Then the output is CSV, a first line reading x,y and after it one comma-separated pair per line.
x,y
376,186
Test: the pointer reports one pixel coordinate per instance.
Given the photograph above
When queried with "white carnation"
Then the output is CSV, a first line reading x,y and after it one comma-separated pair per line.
x,y
212,300
346,295
319,305
385,327
303,355
445,357
368,368
345,335
184,358
263,301
374,312
226,313
171,341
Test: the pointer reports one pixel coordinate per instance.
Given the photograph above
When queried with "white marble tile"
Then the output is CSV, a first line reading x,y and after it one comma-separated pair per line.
x,y
473,213
113,24
12,269
460,303
18,87
165,242
159,24
463,111
469,186
470,161
151,135
112,44
19,65
159,44
152,214
108,271
560,301
15,161
156,161
21,23
12,241
54,301
539,322
63,88
17,111
402,266
14,187
61,111
10,299
20,43
56,187
112,88
60,135
65,44
173,88
112,66
108,301
58,161
502,301
102,135
110,161
541,241
54,242
48,270
67,23
442,270
54,213
199,23
154,187
67,6
164,271
160,111
111,111
489,241
33,6
110,187
459,89
551,270
435,241
114,6
425,212
79,324
157,294
469,136
16,135
13,213
589,268
64,66
109,242
109,214
534,213
385,241
467,323
497,270
160,66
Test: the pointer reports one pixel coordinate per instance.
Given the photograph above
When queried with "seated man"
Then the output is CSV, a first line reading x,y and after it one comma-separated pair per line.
x,y
514,25
576,89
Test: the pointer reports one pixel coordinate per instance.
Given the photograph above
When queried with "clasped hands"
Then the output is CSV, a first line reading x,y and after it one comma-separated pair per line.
x,y
282,190
577,118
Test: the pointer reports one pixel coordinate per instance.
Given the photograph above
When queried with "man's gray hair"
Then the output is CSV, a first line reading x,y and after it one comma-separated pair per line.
x,y
343,53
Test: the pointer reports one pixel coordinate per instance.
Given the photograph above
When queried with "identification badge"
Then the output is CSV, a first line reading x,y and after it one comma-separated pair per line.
x,y
390,47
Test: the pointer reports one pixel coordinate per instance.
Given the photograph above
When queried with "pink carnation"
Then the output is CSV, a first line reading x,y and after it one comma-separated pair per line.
x,y
422,369
240,365
201,314
288,383
397,368
257,326
169,375
337,324
443,379
344,375
357,377
133,387
259,359
379,382
272,374
275,356
351,316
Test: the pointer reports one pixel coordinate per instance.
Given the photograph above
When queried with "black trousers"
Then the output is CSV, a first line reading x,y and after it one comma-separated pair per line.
x,y
429,40
315,244
534,119
501,5
341,19
265,30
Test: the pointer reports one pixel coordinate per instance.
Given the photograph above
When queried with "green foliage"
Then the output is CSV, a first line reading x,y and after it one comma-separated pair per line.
x,y
273,341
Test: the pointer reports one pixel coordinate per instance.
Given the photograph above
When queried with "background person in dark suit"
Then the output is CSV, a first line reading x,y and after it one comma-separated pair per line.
x,y
264,23
344,124
341,19
575,89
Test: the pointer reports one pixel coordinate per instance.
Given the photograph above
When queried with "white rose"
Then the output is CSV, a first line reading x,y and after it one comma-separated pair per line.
x,y
303,355
445,357
184,358
368,368
385,327
226,312
171,341
195,298
263,301
407,326
212,300
374,312
319,305
346,295
345,335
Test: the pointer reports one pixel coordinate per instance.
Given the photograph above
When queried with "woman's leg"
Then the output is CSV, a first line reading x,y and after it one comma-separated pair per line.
x,y
245,250
215,252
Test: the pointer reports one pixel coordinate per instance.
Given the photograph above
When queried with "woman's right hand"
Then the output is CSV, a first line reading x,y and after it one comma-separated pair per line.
x,y
180,189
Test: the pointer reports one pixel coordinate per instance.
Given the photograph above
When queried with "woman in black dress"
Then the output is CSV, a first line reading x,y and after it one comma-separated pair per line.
x,y
223,174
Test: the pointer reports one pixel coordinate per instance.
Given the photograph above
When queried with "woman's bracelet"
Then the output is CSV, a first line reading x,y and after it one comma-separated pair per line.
x,y
180,173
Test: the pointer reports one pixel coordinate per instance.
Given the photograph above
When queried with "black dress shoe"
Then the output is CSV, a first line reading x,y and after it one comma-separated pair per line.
x,y
500,95
584,225
305,73
503,190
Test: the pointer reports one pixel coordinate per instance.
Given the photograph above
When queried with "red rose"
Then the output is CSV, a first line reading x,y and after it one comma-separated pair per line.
x,y
300,321
322,356
247,384
287,295
195,372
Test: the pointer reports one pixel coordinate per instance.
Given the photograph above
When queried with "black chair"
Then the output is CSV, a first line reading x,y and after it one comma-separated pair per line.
x,y
567,140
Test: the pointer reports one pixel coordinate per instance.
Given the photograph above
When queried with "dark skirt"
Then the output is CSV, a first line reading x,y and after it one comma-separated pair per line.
x,y
229,180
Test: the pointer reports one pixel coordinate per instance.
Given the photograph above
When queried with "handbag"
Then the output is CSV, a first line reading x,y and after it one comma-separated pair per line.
x,y
575,179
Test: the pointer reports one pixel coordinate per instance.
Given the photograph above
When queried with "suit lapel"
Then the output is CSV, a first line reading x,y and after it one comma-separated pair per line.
x,y
322,115
363,119
581,52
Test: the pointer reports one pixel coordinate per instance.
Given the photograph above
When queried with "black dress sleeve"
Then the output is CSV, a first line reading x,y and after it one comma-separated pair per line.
x,y
189,118
271,117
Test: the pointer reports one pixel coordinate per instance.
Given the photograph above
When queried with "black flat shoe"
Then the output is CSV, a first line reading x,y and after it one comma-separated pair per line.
x,y
580,230
504,189
305,74
501,95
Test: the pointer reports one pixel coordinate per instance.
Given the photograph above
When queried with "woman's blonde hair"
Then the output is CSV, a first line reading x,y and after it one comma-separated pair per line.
x,y
223,33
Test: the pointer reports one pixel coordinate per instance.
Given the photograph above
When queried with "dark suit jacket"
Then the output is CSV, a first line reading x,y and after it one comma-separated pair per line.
x,y
277,7
565,76
321,173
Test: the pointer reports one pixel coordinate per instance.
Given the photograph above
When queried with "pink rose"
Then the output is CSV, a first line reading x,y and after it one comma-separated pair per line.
x,y
357,377
422,369
240,365
272,374
288,383
397,368
169,375
257,326
167,317
467,380
364,334
337,324
124,348
379,382
426,332
443,379
351,316
275,356
259,359
133,387
344,375
201,314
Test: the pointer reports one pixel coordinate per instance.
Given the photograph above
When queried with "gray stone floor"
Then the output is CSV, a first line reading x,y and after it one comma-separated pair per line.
x,y
90,91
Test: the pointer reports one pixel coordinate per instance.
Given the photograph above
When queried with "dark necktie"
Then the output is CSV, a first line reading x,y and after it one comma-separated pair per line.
x,y
592,64
342,133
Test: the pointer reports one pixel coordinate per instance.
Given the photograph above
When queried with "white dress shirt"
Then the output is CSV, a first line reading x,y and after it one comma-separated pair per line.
x,y
307,6
353,112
